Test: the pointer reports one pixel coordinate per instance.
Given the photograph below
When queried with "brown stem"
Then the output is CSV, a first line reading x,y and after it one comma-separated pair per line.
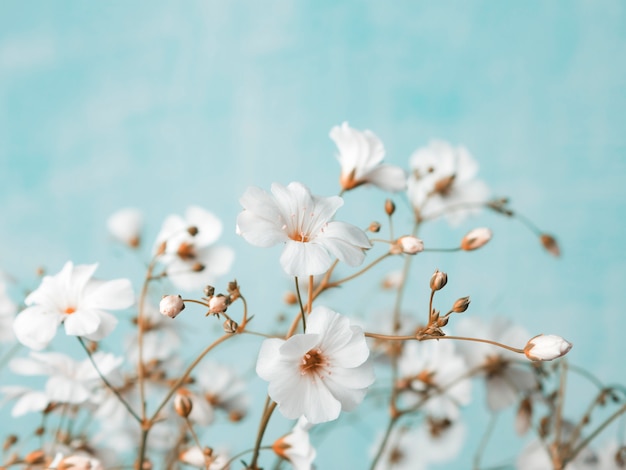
x,y
269,408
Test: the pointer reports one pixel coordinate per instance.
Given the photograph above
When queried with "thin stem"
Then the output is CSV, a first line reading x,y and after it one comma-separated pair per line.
x,y
430,307
356,274
442,250
302,314
107,383
197,302
560,403
383,444
267,414
140,328
309,305
197,442
242,453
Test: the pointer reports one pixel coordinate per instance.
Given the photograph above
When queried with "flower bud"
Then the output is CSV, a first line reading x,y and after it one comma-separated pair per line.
x,y
374,227
550,244
218,304
171,305
8,442
438,280
476,238
183,403
461,305
230,326
390,207
209,291
290,298
410,245
546,348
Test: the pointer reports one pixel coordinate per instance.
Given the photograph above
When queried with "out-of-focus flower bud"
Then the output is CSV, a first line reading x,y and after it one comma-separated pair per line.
x,y
438,280
374,227
390,207
476,238
461,305
182,403
209,291
218,304
79,462
290,298
171,305
36,457
9,441
550,244
546,347
523,417
125,225
410,245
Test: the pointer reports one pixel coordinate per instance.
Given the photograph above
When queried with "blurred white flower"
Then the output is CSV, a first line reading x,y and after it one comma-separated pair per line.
x,y
612,456
506,379
126,225
319,373
431,374
360,155
195,457
26,399
535,456
442,180
223,389
293,216
73,298
7,315
296,447
191,258
79,462
161,336
69,381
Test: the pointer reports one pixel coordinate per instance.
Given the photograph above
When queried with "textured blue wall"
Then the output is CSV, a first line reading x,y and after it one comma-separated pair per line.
x,y
163,104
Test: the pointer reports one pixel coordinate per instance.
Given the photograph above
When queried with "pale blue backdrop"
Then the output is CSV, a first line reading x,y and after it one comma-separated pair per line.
x,y
160,105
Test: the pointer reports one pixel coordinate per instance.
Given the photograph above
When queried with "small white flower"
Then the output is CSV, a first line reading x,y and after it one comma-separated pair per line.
x,y
291,215
73,298
125,225
195,457
223,389
79,462
505,378
296,447
319,373
192,260
360,156
535,456
431,373
546,348
442,180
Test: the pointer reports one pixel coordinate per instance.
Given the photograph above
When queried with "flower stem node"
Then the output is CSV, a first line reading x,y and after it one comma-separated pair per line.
x,y
171,305
546,347
438,280
182,403
408,244
476,238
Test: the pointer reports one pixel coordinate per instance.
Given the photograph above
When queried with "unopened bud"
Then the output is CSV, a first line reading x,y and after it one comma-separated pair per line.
x,y
171,305
290,298
546,348
9,441
36,457
374,227
193,230
550,244
218,304
438,280
182,403
461,305
476,238
390,207
410,245
233,286
209,291
230,326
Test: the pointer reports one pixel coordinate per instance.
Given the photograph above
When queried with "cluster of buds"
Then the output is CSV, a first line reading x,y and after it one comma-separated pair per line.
x,y
217,303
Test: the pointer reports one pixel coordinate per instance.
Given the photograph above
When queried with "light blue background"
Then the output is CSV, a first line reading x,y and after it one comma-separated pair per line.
x,y
160,105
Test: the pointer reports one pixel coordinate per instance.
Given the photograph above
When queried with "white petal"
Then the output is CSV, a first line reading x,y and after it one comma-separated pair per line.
x,y
208,225
82,322
107,324
125,225
111,295
260,231
29,402
388,177
320,405
304,259
35,328
268,358
64,390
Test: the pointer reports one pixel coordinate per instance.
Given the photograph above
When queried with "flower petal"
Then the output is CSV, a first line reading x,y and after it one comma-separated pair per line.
x,y
35,328
82,322
304,259
111,295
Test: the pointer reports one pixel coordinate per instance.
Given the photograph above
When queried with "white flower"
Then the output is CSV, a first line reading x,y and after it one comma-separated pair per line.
x,y
291,215
222,389
430,372
192,260
7,315
26,400
68,381
79,462
546,348
360,157
73,298
125,225
506,379
535,456
195,457
609,455
296,447
319,373
442,180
